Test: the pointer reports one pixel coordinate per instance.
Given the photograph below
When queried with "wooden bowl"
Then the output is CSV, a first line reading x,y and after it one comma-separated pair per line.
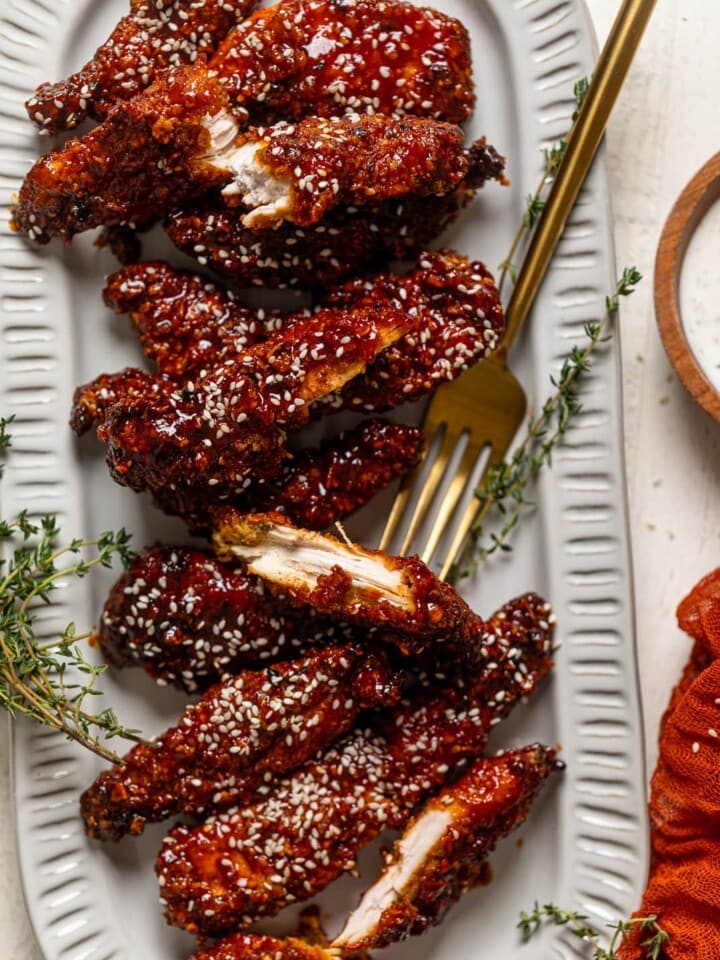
x,y
692,205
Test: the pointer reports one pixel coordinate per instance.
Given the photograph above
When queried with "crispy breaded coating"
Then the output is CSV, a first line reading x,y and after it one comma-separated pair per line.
x,y
460,321
91,401
327,58
318,487
443,851
155,152
188,620
182,319
215,436
400,596
257,946
156,34
344,243
238,737
148,157
251,862
299,171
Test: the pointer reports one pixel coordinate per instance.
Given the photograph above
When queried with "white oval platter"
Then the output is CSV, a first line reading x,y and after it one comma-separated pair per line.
x,y
585,844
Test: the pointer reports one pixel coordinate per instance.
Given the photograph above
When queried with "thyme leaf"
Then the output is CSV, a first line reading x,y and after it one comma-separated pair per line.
x,y
51,681
505,484
655,942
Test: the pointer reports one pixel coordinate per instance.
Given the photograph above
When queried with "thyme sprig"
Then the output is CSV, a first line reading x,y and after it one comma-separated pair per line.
x,y
506,482
656,939
535,204
51,680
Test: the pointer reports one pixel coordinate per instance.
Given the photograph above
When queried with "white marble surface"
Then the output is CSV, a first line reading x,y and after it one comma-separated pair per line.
x,y
666,125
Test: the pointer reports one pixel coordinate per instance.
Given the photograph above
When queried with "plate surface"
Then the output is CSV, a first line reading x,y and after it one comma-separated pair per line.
x,y
585,844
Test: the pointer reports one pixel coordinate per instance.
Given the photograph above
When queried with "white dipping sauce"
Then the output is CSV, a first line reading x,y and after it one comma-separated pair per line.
x,y
700,295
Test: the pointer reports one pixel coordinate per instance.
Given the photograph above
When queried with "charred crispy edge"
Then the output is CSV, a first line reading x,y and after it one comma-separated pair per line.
x,y
123,242
485,163
92,401
130,288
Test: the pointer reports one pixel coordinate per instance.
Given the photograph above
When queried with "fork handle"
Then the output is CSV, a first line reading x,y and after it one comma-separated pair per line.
x,y
583,142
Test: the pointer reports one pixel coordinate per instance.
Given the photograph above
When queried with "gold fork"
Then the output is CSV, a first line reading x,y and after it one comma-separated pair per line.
x,y
488,403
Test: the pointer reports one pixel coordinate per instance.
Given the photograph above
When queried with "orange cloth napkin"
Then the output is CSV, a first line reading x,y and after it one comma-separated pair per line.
x,y
684,884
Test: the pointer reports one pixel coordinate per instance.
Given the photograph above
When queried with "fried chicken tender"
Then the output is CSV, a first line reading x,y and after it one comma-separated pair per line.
x,y
148,157
290,172
299,171
443,851
399,596
215,436
460,321
155,34
252,861
188,620
345,242
319,487
239,736
183,320
314,488
162,148
327,58
441,855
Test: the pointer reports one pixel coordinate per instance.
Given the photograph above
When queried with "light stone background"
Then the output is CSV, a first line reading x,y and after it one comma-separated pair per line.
x,y
665,126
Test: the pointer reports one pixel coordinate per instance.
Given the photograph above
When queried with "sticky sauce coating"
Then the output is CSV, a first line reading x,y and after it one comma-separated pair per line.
x,y
253,861
156,34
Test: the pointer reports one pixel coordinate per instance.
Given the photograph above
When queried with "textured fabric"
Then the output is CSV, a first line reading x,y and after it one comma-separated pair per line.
x,y
684,884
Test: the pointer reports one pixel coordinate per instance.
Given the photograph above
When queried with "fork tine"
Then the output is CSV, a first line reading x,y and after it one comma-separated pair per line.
x,y
475,512
401,500
437,471
451,498
488,405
